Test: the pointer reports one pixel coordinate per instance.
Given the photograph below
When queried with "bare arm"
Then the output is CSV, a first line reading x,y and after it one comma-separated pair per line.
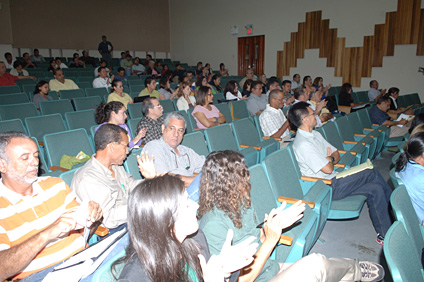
x,y
392,122
282,129
221,118
329,167
205,121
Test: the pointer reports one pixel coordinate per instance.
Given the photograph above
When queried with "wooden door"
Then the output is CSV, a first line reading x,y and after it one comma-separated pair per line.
x,y
251,52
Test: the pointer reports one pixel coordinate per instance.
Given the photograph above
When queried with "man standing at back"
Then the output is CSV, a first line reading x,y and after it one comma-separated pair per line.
x,y
105,49
60,83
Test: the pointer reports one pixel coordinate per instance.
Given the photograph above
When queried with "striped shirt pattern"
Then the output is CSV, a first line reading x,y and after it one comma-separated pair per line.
x,y
24,216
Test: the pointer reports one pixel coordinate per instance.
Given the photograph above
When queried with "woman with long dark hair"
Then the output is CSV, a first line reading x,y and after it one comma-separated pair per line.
x,y
115,113
205,113
165,244
410,168
232,92
41,93
215,83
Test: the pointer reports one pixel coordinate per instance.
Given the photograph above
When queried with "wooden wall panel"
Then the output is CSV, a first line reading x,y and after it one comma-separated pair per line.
x,y
404,26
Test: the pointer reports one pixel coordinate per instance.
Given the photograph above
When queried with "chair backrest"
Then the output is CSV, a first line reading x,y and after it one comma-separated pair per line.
x,y
12,125
258,125
10,99
220,138
66,143
42,125
167,105
131,165
81,119
197,142
84,84
363,96
217,97
354,123
56,107
245,132
405,213
71,94
355,98
10,89
332,135
189,126
225,110
137,87
29,88
53,94
261,194
86,103
401,256
96,92
415,98
67,176
20,111
191,118
134,110
240,109
364,118
132,124
346,131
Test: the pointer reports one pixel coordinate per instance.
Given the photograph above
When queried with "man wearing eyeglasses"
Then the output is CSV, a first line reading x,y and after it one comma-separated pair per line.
x,y
172,157
256,102
152,120
104,179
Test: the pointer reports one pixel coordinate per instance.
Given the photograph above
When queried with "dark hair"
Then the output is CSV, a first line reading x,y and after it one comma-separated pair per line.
x,y
163,82
6,54
26,53
297,112
57,58
198,64
221,65
17,64
299,92
199,80
35,50
247,83
272,80
231,87
393,90
285,82
103,111
106,134
201,95
295,75
212,82
103,61
75,54
413,149
419,119
120,69
115,83
148,55
225,185
57,70
372,82
192,72
305,78
383,99
181,86
147,105
6,138
345,88
155,203
316,81
148,80
99,69
254,84
122,53
39,84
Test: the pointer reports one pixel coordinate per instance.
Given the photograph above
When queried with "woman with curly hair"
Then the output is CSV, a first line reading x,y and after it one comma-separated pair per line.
x,y
225,204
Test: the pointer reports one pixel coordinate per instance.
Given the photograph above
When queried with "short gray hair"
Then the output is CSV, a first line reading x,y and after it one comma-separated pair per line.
x,y
6,138
174,115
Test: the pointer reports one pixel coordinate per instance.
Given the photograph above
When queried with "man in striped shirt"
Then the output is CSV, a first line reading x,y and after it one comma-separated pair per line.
x,y
38,227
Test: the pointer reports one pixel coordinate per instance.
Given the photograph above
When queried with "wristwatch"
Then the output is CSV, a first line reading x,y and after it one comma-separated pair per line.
x,y
216,120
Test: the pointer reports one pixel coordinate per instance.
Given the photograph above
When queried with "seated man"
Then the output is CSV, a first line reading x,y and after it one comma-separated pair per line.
x,y
137,68
295,82
9,60
301,94
273,83
316,158
103,80
378,115
36,57
170,156
256,102
76,63
103,177
121,75
126,63
38,227
272,119
86,59
394,108
150,89
249,75
60,83
103,63
27,63
374,94
315,99
152,120
6,79
179,73
288,96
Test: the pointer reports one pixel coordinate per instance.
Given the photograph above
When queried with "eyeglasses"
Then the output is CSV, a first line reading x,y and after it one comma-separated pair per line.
x,y
158,106
209,94
126,147
313,114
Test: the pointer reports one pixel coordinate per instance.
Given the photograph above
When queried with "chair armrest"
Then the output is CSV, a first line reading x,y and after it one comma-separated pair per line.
x,y
340,165
315,179
254,147
40,143
374,124
195,173
350,142
101,231
292,201
369,129
275,138
360,135
62,169
244,146
196,128
344,152
292,131
235,118
286,240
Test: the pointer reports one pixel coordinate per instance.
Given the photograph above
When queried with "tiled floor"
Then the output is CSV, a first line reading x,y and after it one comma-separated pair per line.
x,y
356,238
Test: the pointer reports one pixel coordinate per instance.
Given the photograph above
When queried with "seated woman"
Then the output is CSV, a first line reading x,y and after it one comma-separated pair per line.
x,y
166,93
202,81
41,93
18,70
151,70
232,92
115,113
247,88
206,114
319,84
52,66
118,94
225,204
166,71
262,78
172,248
215,83
222,70
410,168
345,98
185,100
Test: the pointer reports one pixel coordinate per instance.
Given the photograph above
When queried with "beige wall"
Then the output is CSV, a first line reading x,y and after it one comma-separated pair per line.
x,y
200,30
5,23
79,24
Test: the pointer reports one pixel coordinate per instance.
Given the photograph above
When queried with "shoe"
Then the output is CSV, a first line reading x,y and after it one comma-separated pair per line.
x,y
380,239
371,271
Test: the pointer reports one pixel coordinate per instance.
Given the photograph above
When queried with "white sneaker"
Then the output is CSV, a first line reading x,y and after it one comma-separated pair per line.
x,y
371,271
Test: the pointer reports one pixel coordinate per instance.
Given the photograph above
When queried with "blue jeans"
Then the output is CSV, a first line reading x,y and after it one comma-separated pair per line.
x,y
370,184
194,189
